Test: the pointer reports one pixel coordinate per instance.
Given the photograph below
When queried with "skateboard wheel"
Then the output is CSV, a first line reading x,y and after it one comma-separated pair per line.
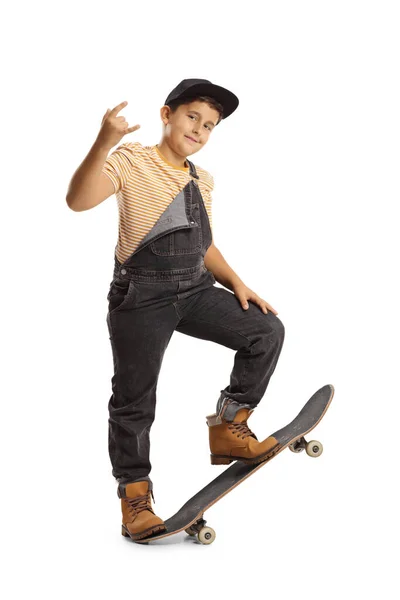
x,y
206,535
314,448
190,531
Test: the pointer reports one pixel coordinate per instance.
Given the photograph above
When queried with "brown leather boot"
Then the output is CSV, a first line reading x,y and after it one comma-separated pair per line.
x,y
233,440
138,517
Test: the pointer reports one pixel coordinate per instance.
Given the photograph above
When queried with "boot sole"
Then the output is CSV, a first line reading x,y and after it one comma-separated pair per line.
x,y
144,533
226,460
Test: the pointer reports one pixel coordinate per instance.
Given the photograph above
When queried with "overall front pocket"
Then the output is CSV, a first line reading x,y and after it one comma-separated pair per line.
x,y
120,294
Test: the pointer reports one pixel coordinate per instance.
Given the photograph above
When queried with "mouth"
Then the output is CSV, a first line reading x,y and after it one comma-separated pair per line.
x,y
191,139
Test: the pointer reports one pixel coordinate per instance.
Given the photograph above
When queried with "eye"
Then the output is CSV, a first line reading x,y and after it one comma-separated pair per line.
x,y
193,117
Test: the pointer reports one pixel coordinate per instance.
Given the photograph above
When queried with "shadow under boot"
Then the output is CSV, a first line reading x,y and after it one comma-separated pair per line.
x,y
138,517
233,440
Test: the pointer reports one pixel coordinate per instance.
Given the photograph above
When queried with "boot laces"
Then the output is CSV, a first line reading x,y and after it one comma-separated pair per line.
x,y
241,429
140,503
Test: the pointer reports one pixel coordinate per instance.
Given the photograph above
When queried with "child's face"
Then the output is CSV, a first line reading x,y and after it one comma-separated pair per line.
x,y
196,120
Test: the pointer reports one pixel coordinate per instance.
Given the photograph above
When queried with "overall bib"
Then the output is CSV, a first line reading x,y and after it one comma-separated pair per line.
x,y
161,287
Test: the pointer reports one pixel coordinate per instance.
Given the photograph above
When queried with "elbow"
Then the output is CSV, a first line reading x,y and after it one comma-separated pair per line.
x,y
74,205
70,204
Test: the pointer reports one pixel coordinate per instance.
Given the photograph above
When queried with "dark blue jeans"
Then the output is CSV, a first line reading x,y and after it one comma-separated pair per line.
x,y
142,317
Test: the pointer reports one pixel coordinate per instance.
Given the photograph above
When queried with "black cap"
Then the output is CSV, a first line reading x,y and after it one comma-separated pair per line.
x,y
202,87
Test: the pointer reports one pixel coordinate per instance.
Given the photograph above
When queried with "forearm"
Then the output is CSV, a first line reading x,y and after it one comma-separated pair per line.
x,y
223,273
85,179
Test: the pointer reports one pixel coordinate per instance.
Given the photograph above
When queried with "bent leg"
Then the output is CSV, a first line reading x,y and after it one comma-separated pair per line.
x,y
215,314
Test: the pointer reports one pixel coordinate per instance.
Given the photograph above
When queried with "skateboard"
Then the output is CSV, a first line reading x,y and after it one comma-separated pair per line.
x,y
190,516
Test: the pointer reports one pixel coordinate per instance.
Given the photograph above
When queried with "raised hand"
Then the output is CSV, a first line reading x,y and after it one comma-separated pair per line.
x,y
113,127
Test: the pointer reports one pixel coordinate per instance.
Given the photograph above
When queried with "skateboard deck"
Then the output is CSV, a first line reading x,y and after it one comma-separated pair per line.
x,y
190,516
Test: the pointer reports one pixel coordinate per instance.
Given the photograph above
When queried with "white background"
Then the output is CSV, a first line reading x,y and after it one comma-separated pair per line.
x,y
305,210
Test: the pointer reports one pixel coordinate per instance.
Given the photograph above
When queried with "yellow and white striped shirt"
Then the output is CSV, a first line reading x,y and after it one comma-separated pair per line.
x,y
145,184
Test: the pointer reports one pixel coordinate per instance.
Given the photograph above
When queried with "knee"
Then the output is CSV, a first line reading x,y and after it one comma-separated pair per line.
x,y
280,328
275,328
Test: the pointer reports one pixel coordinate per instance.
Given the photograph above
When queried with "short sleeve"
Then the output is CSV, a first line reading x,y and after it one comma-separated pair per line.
x,y
118,166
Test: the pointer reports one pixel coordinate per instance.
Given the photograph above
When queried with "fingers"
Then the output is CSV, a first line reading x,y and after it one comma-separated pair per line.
x,y
130,129
117,108
113,115
264,306
271,308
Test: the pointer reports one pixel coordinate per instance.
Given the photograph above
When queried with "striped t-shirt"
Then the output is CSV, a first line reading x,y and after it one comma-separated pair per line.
x,y
145,183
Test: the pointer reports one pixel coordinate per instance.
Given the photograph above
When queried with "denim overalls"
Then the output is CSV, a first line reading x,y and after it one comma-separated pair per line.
x,y
164,286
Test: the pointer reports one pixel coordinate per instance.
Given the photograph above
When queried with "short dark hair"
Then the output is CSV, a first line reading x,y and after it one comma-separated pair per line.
x,y
174,104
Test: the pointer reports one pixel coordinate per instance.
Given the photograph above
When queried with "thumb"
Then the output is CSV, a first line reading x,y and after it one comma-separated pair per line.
x,y
244,303
131,129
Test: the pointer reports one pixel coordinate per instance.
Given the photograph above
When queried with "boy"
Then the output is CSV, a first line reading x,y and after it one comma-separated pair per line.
x,y
165,268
